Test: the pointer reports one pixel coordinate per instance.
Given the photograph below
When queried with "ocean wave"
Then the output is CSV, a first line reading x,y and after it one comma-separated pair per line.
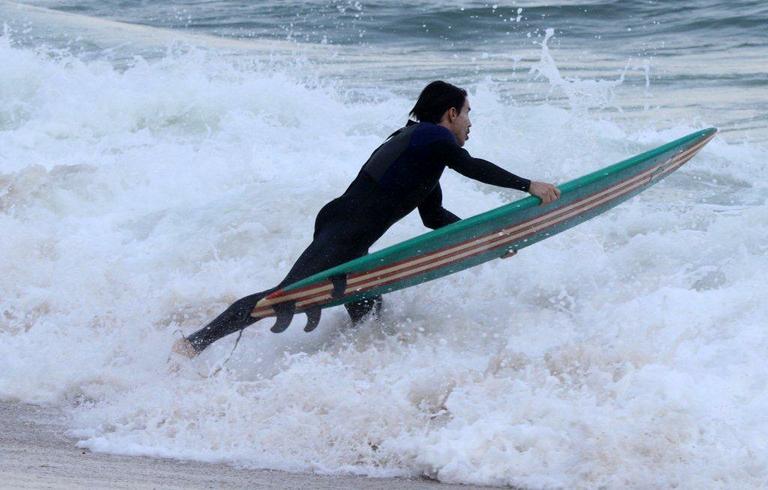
x,y
139,199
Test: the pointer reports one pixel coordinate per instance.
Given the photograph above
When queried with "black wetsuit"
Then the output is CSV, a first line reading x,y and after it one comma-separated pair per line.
x,y
401,175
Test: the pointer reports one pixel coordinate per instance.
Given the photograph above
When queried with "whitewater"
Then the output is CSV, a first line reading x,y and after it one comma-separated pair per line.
x,y
147,182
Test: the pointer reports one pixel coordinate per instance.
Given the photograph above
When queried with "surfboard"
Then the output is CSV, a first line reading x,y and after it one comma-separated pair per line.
x,y
497,233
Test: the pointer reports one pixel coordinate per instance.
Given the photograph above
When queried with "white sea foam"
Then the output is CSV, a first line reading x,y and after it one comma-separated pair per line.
x,y
134,203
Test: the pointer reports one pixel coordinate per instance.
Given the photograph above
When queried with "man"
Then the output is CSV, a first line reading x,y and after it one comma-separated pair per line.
x,y
401,175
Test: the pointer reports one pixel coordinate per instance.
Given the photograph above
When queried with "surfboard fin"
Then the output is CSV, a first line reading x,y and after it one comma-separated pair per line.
x,y
313,318
339,286
284,313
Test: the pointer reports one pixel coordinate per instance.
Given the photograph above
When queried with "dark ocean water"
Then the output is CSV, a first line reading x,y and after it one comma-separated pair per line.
x,y
705,54
637,28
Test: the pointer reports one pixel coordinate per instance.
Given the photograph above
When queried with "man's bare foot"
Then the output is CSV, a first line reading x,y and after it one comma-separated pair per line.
x,y
181,351
183,347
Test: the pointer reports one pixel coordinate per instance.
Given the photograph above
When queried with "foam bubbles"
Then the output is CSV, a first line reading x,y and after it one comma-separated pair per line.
x,y
139,202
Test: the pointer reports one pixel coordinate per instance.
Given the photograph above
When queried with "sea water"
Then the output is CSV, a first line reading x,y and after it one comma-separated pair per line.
x,y
159,161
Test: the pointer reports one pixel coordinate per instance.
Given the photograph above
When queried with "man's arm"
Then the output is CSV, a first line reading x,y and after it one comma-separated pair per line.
x,y
486,172
432,212
478,169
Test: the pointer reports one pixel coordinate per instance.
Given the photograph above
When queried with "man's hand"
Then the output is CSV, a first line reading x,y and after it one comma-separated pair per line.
x,y
546,192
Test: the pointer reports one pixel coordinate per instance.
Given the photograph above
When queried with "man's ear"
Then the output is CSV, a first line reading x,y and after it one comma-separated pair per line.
x,y
452,114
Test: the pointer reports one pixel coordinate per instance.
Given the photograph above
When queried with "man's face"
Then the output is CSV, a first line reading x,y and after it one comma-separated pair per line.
x,y
461,124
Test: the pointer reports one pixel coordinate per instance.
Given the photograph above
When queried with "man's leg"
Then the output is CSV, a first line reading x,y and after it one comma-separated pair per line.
x,y
358,310
234,318
321,254
332,245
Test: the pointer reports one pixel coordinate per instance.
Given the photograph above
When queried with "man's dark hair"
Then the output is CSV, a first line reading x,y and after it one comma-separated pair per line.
x,y
435,99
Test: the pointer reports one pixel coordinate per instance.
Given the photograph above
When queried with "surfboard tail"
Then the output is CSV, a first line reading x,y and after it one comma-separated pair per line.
x,y
283,305
284,313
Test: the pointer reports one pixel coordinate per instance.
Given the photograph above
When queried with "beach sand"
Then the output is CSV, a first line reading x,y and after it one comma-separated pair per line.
x,y
36,453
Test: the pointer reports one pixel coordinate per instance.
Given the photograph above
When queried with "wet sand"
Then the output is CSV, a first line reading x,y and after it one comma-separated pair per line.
x,y
35,453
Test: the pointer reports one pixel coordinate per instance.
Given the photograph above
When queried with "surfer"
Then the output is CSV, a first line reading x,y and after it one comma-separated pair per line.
x,y
401,175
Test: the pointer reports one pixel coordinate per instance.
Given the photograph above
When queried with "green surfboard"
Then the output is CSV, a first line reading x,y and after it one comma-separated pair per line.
x,y
472,241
